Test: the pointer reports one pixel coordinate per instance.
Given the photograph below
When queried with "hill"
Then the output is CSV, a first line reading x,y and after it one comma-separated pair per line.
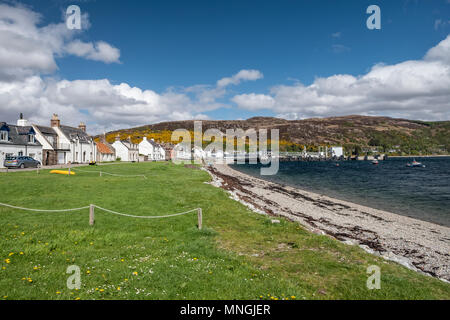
x,y
354,132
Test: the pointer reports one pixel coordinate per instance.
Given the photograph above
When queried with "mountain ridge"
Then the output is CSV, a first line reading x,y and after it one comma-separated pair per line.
x,y
351,131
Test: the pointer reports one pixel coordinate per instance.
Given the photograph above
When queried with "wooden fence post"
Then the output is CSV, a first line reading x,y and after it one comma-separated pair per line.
x,y
200,218
91,215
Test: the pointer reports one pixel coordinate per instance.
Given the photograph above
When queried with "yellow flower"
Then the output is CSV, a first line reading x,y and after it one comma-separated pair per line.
x,y
21,253
8,260
10,254
101,290
57,292
96,289
135,273
91,243
292,297
30,280
78,298
125,279
122,260
118,288
88,272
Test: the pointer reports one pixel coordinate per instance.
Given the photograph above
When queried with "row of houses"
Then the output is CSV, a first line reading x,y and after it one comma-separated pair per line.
x,y
61,144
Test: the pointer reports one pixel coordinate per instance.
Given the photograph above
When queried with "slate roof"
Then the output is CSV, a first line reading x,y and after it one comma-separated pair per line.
x,y
74,133
18,135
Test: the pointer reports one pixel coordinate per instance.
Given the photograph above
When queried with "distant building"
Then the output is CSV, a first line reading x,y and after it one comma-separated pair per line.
x,y
126,150
19,140
152,150
105,152
337,151
63,144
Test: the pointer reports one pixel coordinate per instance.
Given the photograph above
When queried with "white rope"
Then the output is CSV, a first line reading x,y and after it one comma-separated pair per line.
x,y
43,210
112,174
107,210
145,217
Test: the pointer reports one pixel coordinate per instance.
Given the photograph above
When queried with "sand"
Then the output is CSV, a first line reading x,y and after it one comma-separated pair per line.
x,y
416,244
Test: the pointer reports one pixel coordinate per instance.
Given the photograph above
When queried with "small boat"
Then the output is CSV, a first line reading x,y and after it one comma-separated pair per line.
x,y
63,172
415,163
375,161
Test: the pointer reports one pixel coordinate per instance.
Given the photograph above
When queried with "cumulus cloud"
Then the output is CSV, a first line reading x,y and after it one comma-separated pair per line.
x,y
243,75
254,101
27,49
417,89
98,51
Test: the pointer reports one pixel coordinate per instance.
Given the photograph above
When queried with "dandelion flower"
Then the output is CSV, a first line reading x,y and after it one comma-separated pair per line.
x,y
101,290
292,297
8,260
118,288
21,253
10,254
135,273
57,292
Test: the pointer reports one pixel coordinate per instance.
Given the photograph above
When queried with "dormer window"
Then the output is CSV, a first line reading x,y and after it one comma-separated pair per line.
x,y
31,138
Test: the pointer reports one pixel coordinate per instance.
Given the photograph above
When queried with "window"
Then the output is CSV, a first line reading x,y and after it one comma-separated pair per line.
x,y
4,135
20,153
31,138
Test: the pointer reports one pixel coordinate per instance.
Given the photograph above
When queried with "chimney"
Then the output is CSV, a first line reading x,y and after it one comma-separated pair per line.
x,y
22,122
82,126
54,122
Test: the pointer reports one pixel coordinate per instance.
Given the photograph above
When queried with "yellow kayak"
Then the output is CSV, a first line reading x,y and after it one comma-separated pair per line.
x,y
62,172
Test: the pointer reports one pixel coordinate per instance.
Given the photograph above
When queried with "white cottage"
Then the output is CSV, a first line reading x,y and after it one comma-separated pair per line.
x,y
153,150
19,140
126,150
63,144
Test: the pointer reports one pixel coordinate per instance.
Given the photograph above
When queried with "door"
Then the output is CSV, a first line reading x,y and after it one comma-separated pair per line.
x,y
61,157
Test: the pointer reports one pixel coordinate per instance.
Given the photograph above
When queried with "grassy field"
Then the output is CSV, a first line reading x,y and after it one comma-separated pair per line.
x,y
238,254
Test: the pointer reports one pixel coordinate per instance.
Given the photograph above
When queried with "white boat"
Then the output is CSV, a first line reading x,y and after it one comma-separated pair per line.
x,y
415,163
375,161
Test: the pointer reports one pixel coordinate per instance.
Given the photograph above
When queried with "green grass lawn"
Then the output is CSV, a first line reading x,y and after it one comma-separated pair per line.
x,y
238,255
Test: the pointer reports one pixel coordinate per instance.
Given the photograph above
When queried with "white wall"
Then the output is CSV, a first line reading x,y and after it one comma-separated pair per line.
x,y
15,149
121,151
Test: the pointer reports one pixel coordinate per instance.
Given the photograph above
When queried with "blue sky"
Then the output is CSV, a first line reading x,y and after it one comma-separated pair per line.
x,y
168,46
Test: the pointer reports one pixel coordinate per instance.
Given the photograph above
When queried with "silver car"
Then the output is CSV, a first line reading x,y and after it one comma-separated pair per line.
x,y
21,162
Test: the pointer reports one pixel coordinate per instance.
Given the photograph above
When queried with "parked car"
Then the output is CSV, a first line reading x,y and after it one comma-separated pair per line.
x,y
21,162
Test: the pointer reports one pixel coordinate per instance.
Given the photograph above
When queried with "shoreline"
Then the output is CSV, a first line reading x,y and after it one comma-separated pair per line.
x,y
419,245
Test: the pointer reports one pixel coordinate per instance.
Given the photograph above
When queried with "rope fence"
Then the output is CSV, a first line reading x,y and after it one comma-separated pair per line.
x,y
92,207
111,174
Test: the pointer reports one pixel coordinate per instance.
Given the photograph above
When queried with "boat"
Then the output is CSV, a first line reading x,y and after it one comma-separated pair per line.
x,y
63,172
415,163
375,161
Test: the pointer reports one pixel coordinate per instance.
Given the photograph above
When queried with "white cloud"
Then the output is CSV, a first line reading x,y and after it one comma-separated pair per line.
x,y
254,101
99,51
243,75
27,49
417,89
